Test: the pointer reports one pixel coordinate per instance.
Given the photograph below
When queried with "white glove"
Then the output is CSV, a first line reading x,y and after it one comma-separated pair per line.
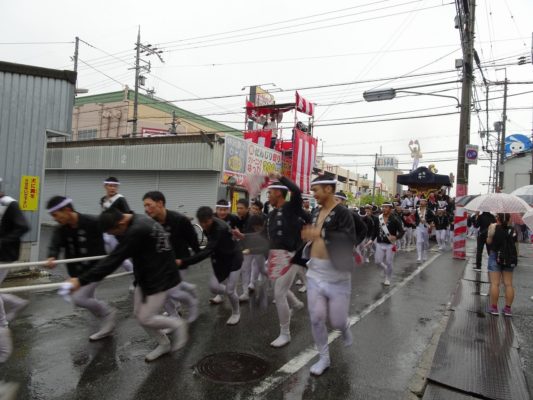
x,y
64,291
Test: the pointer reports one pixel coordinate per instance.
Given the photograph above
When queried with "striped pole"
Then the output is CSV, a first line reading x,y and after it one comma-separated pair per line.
x,y
459,233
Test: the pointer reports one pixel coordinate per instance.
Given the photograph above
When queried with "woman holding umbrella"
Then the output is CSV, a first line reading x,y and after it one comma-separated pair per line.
x,y
501,240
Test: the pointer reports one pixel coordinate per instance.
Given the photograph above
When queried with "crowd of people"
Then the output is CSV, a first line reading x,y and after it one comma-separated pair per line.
x,y
279,241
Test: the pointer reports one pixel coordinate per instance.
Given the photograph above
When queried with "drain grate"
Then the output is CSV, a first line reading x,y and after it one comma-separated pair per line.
x,y
230,367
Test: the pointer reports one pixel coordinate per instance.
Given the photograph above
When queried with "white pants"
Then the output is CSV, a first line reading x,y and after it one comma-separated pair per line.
x,y
84,297
385,258
441,237
252,265
147,310
283,295
422,241
327,299
228,288
409,236
7,301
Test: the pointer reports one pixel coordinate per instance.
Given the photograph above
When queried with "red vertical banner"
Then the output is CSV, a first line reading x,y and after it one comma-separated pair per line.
x,y
303,159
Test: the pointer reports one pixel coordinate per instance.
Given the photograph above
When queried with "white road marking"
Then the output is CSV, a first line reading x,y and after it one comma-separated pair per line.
x,y
298,362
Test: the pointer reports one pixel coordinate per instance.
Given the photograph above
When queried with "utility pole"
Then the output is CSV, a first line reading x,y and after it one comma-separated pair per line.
x,y
137,71
374,181
252,98
502,138
173,124
466,10
148,50
76,53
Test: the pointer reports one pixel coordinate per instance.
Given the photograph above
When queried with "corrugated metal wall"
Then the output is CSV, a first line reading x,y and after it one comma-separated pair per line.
x,y
185,190
160,156
29,106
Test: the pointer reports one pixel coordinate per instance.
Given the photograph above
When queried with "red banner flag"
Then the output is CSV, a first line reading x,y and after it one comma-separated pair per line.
x,y
303,159
304,106
260,137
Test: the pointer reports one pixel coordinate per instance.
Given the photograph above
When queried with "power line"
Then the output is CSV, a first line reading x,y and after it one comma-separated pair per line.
x,y
304,30
33,43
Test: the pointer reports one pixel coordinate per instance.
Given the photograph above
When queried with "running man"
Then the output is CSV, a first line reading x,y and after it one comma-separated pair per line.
x,y
284,227
424,218
182,237
330,242
154,266
13,226
226,258
79,235
389,230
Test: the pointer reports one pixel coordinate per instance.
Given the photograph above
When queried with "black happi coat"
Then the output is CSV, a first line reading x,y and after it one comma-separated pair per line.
x,y
13,226
182,234
441,221
429,216
393,225
338,233
119,203
284,224
86,240
154,263
225,254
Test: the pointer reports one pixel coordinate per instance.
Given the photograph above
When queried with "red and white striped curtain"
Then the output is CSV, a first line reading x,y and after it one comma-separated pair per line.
x,y
303,159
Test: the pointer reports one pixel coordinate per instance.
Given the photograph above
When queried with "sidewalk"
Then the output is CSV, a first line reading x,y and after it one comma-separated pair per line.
x,y
479,355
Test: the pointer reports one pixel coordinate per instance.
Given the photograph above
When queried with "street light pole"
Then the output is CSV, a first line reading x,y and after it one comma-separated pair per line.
x,y
468,13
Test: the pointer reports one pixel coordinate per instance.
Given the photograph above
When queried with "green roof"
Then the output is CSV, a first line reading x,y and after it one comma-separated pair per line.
x,y
161,105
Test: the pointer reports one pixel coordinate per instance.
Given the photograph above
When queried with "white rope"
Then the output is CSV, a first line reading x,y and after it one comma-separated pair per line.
x,y
50,286
43,263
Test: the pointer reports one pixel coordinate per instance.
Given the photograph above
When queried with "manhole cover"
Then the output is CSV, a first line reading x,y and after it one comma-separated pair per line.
x,y
232,367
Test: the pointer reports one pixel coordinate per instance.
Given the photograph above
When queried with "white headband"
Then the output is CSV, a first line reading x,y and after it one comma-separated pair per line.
x,y
340,196
328,182
281,187
223,205
111,183
64,203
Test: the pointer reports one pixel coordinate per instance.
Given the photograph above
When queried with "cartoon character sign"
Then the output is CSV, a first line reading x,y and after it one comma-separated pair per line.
x,y
515,144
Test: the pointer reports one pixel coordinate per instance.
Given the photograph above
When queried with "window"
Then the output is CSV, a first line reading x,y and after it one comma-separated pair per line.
x,y
87,134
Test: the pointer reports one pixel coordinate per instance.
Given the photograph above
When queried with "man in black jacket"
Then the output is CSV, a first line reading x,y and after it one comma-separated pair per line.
x,y
79,235
284,225
372,222
13,226
389,229
330,241
154,266
482,222
113,199
182,236
226,258
223,212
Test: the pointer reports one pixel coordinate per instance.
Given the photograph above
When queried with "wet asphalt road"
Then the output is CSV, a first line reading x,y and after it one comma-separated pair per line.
x,y
54,359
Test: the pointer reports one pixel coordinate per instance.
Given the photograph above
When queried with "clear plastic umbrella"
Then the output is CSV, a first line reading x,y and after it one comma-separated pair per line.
x,y
528,219
498,203
525,193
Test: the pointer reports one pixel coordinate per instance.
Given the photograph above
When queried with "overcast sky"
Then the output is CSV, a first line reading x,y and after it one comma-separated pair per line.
x,y
214,48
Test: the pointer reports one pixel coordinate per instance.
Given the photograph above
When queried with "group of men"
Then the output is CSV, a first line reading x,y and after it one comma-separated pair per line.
x,y
321,247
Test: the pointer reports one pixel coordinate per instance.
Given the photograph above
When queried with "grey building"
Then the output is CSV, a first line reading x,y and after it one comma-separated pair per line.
x,y
185,168
35,103
516,171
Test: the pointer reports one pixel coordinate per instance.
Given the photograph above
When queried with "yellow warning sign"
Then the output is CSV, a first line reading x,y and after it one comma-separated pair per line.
x,y
29,193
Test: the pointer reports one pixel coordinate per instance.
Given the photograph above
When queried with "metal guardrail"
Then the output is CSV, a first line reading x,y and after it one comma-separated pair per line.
x,y
43,263
49,286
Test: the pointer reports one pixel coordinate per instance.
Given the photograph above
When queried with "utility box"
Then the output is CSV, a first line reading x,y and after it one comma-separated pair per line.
x,y
35,104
